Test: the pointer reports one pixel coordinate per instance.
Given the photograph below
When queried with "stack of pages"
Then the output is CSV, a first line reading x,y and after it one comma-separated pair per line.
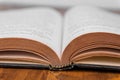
x,y
42,38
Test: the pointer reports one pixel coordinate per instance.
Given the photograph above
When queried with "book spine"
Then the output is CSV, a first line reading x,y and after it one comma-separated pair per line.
x,y
62,67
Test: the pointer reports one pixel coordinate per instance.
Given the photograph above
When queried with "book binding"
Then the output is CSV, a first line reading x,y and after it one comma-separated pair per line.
x,y
62,67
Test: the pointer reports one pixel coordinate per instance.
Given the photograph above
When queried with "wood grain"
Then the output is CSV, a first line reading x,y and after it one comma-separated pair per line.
x,y
36,74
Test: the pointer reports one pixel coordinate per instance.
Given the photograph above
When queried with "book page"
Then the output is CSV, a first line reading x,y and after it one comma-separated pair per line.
x,y
86,19
40,24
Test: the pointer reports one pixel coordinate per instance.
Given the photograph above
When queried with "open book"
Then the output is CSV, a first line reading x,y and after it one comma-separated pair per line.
x,y
42,37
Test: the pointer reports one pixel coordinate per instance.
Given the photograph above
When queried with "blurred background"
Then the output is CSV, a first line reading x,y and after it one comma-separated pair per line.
x,y
61,5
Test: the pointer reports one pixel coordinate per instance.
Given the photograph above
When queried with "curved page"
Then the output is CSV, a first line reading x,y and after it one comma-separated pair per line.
x,y
39,24
81,20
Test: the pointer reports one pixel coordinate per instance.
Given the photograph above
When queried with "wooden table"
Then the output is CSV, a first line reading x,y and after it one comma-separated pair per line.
x,y
36,74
